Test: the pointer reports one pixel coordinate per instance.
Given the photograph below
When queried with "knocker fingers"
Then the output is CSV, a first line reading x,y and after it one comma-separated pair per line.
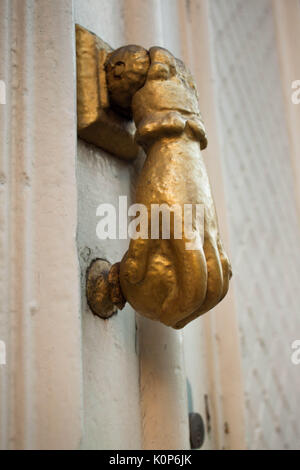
x,y
191,273
214,281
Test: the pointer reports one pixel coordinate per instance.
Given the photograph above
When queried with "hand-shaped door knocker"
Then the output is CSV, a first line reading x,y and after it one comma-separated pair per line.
x,y
163,278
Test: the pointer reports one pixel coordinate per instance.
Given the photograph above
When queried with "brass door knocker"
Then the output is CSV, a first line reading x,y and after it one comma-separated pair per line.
x,y
160,278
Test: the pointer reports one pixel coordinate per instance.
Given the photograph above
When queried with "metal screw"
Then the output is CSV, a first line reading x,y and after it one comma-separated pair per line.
x,y
197,430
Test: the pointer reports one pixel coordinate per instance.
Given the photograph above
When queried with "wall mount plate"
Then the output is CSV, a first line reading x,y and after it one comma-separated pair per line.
x,y
97,123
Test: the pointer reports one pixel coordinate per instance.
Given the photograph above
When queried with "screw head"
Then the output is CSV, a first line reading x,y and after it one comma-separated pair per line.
x,y
197,430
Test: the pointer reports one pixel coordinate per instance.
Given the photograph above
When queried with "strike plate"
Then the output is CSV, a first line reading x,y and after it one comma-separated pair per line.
x,y
98,289
97,123
103,290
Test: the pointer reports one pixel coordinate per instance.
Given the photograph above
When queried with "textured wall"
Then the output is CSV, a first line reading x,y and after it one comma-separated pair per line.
x,y
264,224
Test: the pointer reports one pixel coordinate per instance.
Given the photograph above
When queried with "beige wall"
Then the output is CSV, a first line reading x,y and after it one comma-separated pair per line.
x,y
259,176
